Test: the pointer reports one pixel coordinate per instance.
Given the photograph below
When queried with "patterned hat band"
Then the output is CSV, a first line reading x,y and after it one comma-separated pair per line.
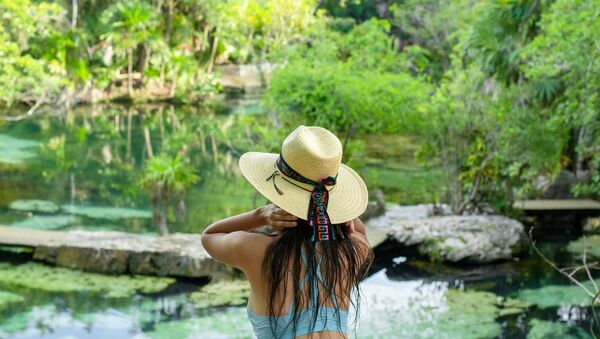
x,y
317,215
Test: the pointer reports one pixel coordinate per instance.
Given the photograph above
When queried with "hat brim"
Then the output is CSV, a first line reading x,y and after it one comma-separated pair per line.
x,y
348,199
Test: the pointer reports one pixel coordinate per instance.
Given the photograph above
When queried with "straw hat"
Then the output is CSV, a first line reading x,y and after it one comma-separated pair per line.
x,y
313,152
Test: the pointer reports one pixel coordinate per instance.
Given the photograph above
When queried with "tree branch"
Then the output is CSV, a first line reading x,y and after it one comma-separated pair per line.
x,y
27,114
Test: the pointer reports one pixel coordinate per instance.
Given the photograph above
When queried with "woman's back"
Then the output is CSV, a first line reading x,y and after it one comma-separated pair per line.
x,y
309,282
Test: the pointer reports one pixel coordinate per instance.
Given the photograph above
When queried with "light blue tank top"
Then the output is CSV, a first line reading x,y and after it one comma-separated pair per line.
x,y
326,318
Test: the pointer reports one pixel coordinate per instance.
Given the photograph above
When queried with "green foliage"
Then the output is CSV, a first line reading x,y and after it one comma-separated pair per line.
x,y
349,84
171,173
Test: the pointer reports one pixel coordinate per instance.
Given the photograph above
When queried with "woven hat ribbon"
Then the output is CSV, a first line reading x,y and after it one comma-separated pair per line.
x,y
317,215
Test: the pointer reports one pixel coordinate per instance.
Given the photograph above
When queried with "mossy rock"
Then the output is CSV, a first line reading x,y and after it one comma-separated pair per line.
x,y
8,299
592,246
541,329
222,293
558,295
34,205
107,213
46,222
57,279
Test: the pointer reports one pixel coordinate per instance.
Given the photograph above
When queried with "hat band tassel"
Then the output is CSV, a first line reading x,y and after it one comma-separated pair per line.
x,y
317,216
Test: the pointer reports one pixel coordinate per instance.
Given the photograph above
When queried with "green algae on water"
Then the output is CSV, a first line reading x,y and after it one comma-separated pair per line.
x,y
222,293
34,205
558,295
57,279
541,329
222,323
15,151
8,299
107,213
592,246
46,222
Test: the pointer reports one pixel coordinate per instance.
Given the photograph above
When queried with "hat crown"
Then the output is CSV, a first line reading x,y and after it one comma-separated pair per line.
x,y
313,152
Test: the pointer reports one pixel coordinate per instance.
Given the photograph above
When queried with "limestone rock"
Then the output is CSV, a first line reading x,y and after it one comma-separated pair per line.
x,y
396,213
118,252
592,226
476,239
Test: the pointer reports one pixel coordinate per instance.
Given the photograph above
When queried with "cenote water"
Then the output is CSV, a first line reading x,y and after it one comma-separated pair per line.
x,y
84,167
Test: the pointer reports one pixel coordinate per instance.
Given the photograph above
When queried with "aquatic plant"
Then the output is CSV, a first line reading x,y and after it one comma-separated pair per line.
x,y
46,222
34,205
222,293
226,323
557,295
105,212
541,329
592,246
7,299
15,151
62,280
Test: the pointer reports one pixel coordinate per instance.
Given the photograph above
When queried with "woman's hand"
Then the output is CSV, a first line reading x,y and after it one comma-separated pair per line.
x,y
277,217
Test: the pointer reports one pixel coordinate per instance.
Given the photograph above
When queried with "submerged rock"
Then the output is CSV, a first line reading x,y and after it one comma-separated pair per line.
x,y
475,239
8,299
119,252
57,279
592,247
222,293
34,205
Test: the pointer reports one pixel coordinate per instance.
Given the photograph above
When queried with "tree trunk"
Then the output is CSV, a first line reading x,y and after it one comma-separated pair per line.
x,y
128,149
148,143
129,71
214,147
159,209
74,9
173,84
213,55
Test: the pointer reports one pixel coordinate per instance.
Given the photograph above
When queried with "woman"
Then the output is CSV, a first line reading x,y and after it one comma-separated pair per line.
x,y
302,277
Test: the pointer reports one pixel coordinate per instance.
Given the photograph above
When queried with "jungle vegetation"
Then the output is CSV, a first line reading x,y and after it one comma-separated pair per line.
x,y
502,93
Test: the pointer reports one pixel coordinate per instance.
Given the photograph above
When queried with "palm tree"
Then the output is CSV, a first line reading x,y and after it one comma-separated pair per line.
x,y
129,24
167,178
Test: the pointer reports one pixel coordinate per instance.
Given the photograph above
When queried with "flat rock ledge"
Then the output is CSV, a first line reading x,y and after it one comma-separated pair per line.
x,y
177,254
471,238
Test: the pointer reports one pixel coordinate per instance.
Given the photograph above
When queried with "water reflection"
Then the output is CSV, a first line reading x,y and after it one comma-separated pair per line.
x,y
94,156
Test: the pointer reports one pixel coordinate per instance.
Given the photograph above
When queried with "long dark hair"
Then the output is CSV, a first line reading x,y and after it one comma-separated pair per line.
x,y
343,263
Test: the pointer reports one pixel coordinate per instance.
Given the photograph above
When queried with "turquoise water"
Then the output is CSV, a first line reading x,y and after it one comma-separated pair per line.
x,y
85,167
